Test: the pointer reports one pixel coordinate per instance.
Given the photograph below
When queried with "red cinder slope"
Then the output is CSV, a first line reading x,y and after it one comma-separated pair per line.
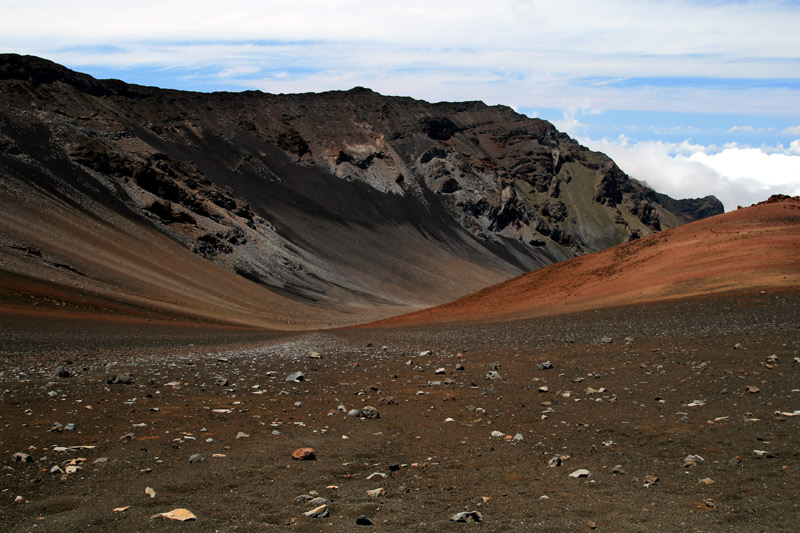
x,y
753,248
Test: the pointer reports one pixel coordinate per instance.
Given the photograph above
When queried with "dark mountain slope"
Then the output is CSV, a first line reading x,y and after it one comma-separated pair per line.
x,y
349,201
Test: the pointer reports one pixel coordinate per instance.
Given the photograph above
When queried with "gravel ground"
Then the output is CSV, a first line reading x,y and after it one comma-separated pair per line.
x,y
695,377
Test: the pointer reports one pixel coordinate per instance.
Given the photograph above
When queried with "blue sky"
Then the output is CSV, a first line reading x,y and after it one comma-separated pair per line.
x,y
693,97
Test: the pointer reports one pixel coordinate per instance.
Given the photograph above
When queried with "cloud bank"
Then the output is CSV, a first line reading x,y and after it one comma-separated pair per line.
x,y
738,176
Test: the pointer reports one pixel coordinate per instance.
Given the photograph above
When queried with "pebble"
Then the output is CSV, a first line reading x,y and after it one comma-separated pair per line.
x,y
296,376
752,389
124,378
650,480
606,340
425,353
376,493
353,412
304,454
618,470
23,457
370,412
547,365
440,370
582,472
242,435
61,372
493,375
221,381
466,516
181,515
317,512
196,458
364,521
692,460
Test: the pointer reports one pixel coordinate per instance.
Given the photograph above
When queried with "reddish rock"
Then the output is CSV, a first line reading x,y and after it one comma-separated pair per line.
x,y
304,454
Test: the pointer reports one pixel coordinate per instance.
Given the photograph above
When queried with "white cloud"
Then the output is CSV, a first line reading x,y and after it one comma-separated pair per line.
x,y
794,130
736,175
516,52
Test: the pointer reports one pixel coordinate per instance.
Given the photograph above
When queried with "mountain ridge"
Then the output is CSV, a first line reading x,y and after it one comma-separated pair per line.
x,y
345,200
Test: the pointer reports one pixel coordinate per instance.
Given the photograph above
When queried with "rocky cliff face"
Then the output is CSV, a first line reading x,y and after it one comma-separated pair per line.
x,y
341,196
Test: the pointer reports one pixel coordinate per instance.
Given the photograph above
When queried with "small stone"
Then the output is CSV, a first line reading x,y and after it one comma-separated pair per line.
x,y
20,499
493,366
692,460
296,376
376,493
57,427
493,375
582,472
376,474
547,365
554,461
364,521
650,480
705,481
440,370
150,492
181,515
69,427
606,340
544,388
752,389
618,470
459,367
196,458
425,353
242,435
370,412
466,516
61,372
518,437
317,512
23,457
498,434
304,454
353,412
762,453
221,381
314,355
738,346
124,378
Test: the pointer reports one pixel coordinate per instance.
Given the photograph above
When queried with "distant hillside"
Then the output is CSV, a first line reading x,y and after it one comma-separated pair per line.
x,y
353,202
753,248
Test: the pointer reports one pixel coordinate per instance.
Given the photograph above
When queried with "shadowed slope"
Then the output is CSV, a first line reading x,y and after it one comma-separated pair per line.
x,y
757,247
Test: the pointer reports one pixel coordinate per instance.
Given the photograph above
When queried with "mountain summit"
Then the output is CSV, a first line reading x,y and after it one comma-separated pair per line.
x,y
289,210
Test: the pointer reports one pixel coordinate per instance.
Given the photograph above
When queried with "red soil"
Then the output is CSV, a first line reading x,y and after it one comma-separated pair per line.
x,y
757,247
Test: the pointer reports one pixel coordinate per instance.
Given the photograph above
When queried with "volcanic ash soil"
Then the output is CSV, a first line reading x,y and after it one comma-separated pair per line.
x,y
678,416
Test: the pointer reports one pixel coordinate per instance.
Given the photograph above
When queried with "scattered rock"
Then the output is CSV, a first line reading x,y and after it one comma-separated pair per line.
x,y
196,458
492,375
606,340
618,470
296,376
582,472
547,365
182,515
23,457
650,480
242,435
304,454
370,412
221,381
692,460
124,378
425,353
376,493
705,481
150,492
353,412
318,512
752,389
466,516
364,521
61,372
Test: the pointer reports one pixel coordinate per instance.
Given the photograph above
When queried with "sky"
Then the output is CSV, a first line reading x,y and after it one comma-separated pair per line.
x,y
692,97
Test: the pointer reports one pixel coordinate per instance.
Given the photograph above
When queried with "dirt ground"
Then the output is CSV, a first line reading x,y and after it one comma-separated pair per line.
x,y
695,377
